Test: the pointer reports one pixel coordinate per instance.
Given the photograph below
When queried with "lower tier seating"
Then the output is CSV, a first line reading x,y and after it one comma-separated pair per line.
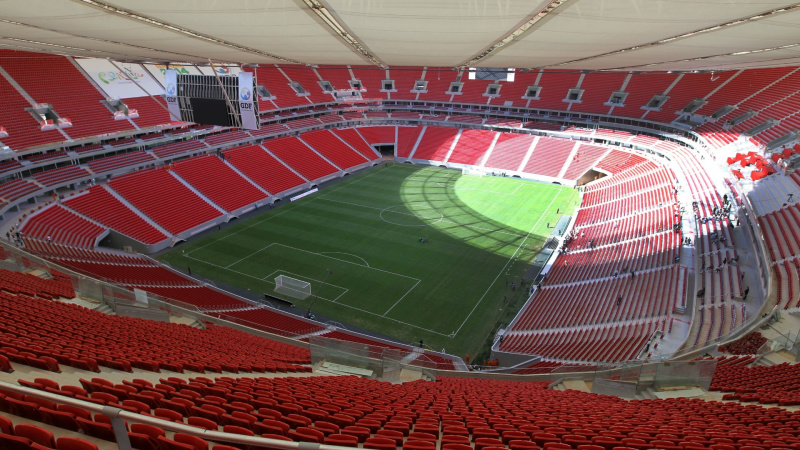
x,y
58,224
100,205
165,199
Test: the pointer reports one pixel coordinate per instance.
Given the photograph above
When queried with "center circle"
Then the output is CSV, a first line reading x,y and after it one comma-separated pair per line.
x,y
419,214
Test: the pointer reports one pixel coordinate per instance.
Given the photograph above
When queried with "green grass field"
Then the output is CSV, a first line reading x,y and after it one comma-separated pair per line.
x,y
451,292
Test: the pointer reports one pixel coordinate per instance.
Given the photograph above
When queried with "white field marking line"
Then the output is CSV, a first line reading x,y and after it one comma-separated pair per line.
x,y
440,220
388,208
343,253
400,299
271,216
344,304
504,267
248,275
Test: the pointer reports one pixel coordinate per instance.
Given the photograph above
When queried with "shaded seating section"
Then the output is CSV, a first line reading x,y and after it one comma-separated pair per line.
x,y
471,146
142,273
217,181
38,328
206,299
435,143
406,140
301,158
271,321
100,205
175,148
357,139
261,167
61,175
330,146
73,97
164,199
230,136
53,249
58,224
110,163
549,156
776,385
509,151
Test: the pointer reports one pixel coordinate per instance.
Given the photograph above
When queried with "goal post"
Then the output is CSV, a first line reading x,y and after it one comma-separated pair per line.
x,y
473,170
292,287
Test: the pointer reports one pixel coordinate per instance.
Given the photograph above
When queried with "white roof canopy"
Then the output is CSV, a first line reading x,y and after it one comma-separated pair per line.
x,y
563,34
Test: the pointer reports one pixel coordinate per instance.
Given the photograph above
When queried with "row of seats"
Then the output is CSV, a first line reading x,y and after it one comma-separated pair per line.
x,y
623,298
35,327
164,199
741,381
58,224
635,255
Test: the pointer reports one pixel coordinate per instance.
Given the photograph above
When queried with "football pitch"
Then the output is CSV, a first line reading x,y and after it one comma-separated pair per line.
x,y
364,238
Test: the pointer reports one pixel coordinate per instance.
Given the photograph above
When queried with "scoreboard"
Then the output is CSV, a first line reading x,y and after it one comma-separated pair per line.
x,y
207,100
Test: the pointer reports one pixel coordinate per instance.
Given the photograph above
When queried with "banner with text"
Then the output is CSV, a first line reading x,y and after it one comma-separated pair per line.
x,y
171,89
249,119
123,81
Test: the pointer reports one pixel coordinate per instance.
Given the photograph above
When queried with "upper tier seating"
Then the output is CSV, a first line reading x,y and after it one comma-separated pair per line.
x,y
309,81
73,97
142,273
98,204
164,199
217,181
302,159
261,167
58,224
598,87
23,130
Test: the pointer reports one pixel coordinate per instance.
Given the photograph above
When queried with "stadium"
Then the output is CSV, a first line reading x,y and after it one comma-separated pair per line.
x,y
439,225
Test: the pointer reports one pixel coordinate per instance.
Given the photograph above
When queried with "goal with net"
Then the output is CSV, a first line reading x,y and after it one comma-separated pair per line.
x,y
292,287
473,170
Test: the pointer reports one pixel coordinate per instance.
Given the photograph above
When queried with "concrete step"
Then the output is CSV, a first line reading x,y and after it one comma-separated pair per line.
x,y
105,309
